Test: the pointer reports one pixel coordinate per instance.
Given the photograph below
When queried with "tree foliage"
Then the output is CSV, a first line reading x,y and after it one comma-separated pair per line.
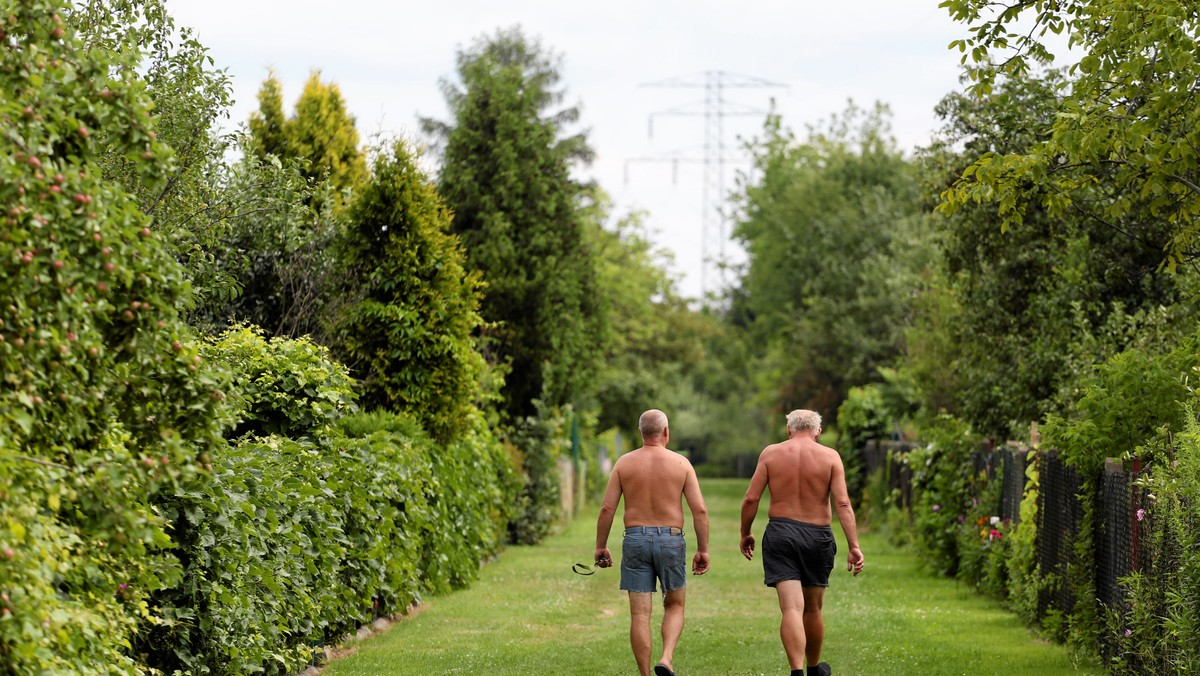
x,y
834,236
320,132
190,96
1038,304
506,176
652,334
1122,147
408,338
282,231
106,404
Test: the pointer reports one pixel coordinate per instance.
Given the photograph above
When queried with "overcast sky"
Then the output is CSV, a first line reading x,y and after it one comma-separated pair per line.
x,y
387,58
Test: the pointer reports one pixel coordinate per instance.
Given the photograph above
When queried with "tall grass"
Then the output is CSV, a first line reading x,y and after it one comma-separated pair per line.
x,y
528,614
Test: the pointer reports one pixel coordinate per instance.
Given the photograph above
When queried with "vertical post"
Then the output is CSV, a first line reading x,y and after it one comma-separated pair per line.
x,y
578,474
1136,530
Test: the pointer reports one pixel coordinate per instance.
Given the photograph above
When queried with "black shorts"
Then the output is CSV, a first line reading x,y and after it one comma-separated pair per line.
x,y
794,550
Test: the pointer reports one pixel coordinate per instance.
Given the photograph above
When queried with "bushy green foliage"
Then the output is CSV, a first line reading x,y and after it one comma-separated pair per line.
x,y
285,228
282,386
408,339
835,236
1158,630
297,542
875,411
106,404
984,542
539,441
944,488
1122,404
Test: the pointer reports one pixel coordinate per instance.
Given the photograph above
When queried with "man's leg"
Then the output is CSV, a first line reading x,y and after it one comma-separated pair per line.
x,y
814,624
791,626
672,624
640,604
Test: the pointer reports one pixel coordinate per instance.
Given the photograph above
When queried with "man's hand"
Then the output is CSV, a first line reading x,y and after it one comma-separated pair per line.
x,y
603,557
854,561
748,547
700,563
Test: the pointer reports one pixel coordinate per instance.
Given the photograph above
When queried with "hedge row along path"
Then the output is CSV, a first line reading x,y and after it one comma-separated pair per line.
x,y
529,614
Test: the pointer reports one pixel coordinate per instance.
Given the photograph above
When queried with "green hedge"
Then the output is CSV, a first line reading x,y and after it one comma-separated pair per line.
x,y
297,542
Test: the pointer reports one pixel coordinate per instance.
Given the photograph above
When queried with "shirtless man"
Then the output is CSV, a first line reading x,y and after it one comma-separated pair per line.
x,y
798,544
652,479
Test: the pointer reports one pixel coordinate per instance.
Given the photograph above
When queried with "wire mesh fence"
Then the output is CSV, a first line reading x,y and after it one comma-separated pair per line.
x,y
1126,535
1114,537
1060,512
1014,464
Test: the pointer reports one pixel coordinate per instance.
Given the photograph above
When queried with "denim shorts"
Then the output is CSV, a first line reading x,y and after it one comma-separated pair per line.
x,y
650,554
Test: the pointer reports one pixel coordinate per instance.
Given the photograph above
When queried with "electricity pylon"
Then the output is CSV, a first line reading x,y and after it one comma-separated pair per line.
x,y
714,108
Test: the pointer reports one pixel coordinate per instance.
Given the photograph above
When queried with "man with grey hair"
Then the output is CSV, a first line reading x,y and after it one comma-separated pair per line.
x,y
798,542
653,479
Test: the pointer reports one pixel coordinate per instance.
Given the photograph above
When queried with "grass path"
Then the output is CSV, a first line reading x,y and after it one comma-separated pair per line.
x,y
528,614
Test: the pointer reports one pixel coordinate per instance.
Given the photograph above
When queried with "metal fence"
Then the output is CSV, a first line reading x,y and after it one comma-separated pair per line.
x,y
1060,514
1120,546
1015,462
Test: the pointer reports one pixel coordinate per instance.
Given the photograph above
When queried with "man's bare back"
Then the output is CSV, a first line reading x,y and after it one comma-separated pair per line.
x,y
652,480
800,474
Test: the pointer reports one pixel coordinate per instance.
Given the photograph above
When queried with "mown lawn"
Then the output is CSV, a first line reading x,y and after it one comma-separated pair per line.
x,y
528,614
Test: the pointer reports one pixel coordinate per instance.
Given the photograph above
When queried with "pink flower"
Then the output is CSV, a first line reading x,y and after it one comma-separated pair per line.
x,y
1141,514
936,507
1129,632
994,535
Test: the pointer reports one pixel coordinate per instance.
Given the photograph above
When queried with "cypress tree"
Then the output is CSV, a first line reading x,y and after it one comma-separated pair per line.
x,y
506,175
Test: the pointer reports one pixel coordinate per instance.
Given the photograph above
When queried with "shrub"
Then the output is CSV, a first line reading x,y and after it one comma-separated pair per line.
x,y
539,441
409,338
282,386
943,487
297,542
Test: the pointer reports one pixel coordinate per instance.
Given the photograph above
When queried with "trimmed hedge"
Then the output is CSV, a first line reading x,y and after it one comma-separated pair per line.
x,y
298,542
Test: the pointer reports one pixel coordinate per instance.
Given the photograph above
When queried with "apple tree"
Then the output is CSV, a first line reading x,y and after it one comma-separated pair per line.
x,y
106,403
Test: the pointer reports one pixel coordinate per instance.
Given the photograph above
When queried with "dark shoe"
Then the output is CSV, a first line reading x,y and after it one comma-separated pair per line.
x,y
661,669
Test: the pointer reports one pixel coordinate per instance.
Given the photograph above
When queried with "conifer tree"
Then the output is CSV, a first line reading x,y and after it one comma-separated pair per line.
x,y
506,175
409,337
268,126
322,132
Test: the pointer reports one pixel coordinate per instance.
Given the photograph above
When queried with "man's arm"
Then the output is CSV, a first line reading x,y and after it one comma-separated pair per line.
x,y
754,492
691,491
608,509
845,512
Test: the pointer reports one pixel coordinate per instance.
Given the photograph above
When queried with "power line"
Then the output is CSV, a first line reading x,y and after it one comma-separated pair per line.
x,y
714,108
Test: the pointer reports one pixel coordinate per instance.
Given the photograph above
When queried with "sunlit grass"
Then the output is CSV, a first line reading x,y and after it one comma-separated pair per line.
x,y
528,614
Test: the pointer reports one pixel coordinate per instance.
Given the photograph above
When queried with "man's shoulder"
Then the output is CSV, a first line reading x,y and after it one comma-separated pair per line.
x,y
626,458
774,448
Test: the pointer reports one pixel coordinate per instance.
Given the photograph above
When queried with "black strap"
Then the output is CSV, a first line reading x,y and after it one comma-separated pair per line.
x,y
584,569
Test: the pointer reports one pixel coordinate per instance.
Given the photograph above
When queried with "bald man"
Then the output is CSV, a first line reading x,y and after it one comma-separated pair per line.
x,y
653,479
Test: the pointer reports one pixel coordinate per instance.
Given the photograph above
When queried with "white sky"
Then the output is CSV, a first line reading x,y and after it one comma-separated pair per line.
x,y
387,58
